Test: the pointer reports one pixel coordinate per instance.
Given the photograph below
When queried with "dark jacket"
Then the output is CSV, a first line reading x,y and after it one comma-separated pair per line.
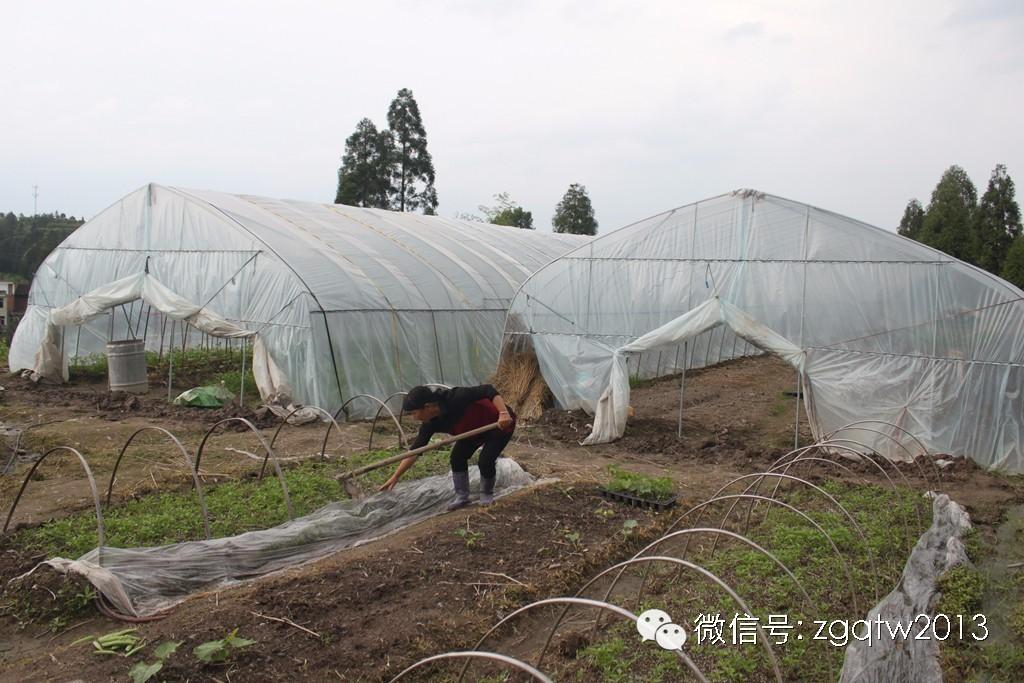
x,y
454,404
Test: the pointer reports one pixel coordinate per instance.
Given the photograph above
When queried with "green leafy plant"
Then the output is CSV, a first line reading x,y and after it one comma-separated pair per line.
x,y
470,538
92,366
123,642
142,672
640,485
629,526
574,537
220,650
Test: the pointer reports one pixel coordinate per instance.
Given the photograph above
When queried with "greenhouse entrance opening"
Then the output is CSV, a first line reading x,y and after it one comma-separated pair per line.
x,y
612,408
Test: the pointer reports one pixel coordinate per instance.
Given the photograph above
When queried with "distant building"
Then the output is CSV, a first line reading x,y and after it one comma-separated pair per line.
x,y
13,302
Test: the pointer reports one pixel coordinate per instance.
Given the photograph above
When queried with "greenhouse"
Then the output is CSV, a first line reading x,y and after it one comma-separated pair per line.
x,y
876,326
341,300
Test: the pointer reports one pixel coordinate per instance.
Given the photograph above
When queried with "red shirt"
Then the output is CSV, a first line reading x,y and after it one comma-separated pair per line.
x,y
478,414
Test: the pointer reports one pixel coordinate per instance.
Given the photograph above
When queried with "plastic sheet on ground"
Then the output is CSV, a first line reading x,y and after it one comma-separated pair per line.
x,y
204,397
886,659
144,581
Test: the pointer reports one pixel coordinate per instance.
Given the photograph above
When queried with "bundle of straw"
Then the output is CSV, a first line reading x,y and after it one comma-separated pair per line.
x,y
521,384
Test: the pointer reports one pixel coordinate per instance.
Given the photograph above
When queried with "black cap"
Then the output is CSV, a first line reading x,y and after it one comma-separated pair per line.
x,y
418,397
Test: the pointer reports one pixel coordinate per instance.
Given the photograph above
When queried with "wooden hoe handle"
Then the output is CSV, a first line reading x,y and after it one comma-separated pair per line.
x,y
416,451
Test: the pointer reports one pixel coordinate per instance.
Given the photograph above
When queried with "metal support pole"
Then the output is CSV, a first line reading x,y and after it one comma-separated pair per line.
x,y
241,389
437,347
138,321
796,429
170,362
163,330
803,315
682,386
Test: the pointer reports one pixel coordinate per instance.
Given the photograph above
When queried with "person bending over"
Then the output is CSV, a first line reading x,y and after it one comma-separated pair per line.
x,y
457,411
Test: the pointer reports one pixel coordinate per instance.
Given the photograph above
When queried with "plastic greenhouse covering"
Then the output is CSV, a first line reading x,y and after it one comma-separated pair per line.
x,y
878,327
346,300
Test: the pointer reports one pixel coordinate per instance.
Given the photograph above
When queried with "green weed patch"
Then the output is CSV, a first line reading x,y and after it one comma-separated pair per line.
x,y
889,523
234,507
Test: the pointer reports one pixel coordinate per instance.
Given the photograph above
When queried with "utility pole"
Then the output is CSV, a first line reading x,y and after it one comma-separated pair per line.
x,y
35,201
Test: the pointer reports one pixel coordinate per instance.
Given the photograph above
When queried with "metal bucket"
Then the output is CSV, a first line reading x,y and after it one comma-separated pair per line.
x,y
126,366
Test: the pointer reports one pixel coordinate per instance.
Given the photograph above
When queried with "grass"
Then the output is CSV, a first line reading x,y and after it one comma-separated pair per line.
x,y
961,588
619,655
234,507
783,403
4,350
988,588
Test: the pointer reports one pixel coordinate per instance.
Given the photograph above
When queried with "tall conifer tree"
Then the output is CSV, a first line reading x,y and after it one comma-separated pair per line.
x,y
413,168
948,220
997,221
575,214
364,178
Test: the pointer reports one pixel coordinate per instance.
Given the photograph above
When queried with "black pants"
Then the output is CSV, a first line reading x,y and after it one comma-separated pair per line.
x,y
493,444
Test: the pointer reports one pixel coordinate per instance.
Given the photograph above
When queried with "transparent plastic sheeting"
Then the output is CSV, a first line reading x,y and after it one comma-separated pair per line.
x,y
612,407
890,329
883,658
143,581
347,300
51,363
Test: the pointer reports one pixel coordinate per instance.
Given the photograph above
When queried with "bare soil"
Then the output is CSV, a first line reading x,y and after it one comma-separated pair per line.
x,y
424,590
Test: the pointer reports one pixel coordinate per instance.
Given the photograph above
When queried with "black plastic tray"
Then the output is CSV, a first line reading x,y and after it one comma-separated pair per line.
x,y
636,501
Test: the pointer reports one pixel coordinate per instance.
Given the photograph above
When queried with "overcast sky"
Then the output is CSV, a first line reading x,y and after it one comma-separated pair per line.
x,y
853,107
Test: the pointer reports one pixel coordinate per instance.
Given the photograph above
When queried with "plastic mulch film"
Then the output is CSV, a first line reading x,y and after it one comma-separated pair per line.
x,y
886,658
144,581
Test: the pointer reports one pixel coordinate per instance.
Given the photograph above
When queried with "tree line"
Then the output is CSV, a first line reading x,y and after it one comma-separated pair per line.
x,y
392,169
985,233
26,240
